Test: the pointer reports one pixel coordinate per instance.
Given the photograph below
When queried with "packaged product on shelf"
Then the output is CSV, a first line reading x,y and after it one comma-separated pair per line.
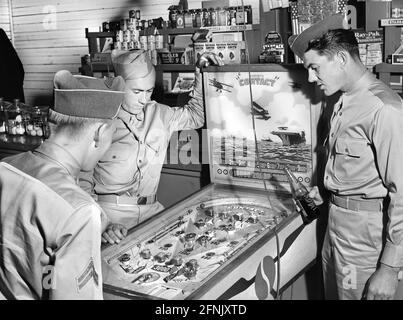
x,y
37,123
3,107
14,116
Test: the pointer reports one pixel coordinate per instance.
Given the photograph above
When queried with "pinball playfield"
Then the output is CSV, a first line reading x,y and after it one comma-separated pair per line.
x,y
173,259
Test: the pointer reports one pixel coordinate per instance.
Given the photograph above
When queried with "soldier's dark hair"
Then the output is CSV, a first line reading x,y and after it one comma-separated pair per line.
x,y
335,41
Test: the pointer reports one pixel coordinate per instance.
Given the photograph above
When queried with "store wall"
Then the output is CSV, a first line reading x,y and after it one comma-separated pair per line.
x,y
50,34
5,17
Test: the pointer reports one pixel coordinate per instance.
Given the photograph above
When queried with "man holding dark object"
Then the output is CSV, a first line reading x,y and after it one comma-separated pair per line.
x,y
363,247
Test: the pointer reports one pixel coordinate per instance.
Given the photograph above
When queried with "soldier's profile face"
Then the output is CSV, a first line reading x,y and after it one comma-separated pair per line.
x,y
324,70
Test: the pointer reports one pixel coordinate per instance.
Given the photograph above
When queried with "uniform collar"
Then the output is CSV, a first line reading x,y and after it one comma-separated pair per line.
x,y
129,118
363,83
60,155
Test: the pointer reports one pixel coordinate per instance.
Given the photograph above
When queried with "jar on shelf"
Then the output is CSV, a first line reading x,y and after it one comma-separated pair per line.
x,y
15,118
172,18
3,106
205,15
179,19
197,22
214,16
187,18
37,125
223,16
232,16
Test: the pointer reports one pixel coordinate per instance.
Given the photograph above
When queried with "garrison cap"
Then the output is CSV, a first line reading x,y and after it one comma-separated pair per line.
x,y
299,42
133,64
87,97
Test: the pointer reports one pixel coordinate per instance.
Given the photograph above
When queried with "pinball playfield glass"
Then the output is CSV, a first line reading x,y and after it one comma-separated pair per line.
x,y
226,240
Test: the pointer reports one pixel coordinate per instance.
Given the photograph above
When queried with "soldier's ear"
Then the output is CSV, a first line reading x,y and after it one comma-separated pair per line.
x,y
100,133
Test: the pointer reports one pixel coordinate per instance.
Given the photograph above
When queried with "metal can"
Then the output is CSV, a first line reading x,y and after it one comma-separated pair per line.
x,y
132,24
119,36
143,42
118,45
123,24
132,14
127,36
135,35
159,41
151,42
138,14
125,46
132,45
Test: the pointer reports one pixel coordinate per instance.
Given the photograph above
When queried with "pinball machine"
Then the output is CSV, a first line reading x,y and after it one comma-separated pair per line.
x,y
239,237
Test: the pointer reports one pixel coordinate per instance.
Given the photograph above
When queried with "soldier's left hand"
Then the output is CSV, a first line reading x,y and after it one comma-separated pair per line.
x,y
114,233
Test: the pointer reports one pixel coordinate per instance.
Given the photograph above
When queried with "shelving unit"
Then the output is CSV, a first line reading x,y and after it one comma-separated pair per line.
x,y
392,41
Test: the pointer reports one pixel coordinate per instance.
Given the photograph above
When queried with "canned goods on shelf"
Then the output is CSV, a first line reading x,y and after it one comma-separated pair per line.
x,y
159,41
127,36
123,24
119,36
179,20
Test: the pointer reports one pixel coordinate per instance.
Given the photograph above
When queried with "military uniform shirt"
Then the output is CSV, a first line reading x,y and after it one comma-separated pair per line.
x,y
365,157
52,240
134,161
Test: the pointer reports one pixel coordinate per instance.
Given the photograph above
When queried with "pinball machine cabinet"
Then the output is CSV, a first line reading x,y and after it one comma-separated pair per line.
x,y
240,237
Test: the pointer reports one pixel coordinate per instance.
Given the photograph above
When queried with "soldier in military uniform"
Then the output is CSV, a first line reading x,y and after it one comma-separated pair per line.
x,y
50,229
363,248
126,179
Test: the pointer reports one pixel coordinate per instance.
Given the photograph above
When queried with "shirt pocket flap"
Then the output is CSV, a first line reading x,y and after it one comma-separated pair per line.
x,y
352,148
116,154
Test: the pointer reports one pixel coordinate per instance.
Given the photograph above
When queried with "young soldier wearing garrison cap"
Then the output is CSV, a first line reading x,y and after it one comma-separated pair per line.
x,y
126,179
363,247
50,229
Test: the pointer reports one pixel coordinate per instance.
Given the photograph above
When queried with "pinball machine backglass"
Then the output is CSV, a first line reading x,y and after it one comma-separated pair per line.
x,y
226,240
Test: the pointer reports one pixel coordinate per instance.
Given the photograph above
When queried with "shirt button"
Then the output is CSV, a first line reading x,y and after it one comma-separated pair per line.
x,y
340,113
140,161
327,177
141,142
332,135
346,150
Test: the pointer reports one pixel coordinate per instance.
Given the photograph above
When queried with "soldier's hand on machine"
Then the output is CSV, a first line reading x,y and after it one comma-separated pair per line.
x,y
114,233
315,195
208,59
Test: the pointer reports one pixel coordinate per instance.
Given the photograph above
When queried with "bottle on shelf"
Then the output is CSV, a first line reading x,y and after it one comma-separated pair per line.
x,y
3,107
15,118
307,208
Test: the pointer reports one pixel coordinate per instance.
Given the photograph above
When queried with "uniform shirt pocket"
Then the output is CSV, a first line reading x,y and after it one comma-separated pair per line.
x,y
352,156
117,168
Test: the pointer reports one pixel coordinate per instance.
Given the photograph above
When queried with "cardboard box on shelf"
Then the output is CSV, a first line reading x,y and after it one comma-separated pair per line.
x,y
231,52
